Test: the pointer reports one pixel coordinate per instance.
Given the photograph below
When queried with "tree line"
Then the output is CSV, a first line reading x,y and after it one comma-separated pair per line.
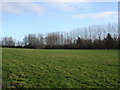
x,y
91,37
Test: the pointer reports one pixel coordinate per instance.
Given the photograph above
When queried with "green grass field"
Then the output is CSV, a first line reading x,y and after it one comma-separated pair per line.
x,y
32,68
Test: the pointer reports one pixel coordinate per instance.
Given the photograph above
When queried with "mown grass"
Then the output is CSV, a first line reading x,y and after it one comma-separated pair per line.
x,y
32,68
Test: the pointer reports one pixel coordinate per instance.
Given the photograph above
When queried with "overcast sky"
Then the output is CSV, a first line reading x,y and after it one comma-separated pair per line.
x,y
19,19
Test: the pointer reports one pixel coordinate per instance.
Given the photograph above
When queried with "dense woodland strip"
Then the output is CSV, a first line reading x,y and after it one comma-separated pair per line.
x,y
91,37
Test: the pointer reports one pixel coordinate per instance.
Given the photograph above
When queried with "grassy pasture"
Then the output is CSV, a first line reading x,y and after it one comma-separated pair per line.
x,y
32,68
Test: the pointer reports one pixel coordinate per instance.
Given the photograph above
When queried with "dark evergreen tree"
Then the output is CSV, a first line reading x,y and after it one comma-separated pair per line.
x,y
79,42
109,42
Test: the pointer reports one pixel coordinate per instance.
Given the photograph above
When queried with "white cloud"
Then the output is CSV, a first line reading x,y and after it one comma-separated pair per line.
x,y
9,7
62,6
25,7
59,0
41,9
95,15
69,6
86,5
45,0
37,8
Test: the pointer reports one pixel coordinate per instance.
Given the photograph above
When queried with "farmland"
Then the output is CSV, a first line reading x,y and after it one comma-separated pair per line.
x,y
48,68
